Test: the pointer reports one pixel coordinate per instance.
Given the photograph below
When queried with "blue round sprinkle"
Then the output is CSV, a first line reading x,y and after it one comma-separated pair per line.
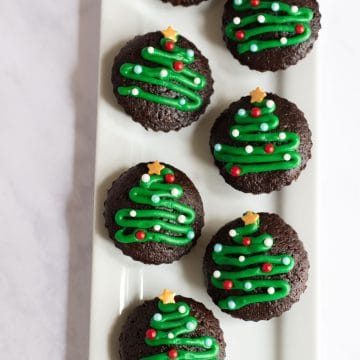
x,y
190,53
218,248
231,304
190,326
264,127
238,2
138,69
208,343
254,48
190,235
275,6
182,101
286,261
217,147
157,317
242,112
155,198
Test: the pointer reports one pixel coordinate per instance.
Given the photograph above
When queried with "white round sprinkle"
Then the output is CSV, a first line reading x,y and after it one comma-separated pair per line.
x,y
235,133
171,335
182,101
268,242
236,20
286,261
197,81
264,127
208,343
254,48
283,40
242,258
157,227
190,326
271,291
182,309
282,136
135,92
287,157
275,6
238,2
190,53
231,304
232,233
151,50
249,149
294,9
242,112
248,285
217,274
174,192
270,104
145,178
217,147
138,69
181,219
261,19
133,213
157,317
163,73
218,248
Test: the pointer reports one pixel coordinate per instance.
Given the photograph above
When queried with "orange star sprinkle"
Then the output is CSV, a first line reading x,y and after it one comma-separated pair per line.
x,y
170,33
250,218
167,297
257,95
155,168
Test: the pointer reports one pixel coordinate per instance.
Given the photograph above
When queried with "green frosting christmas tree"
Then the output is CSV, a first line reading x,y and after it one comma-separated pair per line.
x,y
168,222
249,267
172,72
171,327
269,17
261,148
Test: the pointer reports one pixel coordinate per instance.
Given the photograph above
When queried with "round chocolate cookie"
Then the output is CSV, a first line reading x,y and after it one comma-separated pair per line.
x,y
256,267
261,143
154,213
270,35
183,2
172,328
162,80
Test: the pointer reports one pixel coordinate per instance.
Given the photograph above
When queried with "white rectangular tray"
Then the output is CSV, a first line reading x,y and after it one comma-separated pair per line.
x,y
118,283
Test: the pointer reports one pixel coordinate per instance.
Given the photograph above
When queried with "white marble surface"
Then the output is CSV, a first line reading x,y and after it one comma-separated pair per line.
x,y
48,63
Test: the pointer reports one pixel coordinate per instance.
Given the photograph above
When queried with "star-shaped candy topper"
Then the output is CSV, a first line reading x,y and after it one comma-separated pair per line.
x,y
257,95
250,218
167,297
170,33
155,168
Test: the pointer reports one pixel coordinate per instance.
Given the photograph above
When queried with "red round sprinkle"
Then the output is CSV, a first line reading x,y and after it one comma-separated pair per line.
x,y
255,112
269,148
151,334
240,34
173,354
267,267
299,29
246,241
178,65
170,178
169,45
228,284
235,171
140,235
255,2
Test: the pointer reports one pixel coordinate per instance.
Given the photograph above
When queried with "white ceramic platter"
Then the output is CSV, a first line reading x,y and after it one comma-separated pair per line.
x,y
119,283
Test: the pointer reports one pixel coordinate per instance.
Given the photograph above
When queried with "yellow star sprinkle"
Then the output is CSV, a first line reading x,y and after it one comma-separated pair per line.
x,y
167,297
257,95
250,218
155,168
170,33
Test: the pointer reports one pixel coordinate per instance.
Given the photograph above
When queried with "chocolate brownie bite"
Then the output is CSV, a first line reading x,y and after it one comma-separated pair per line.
x,y
183,2
162,80
261,143
256,267
154,213
172,327
270,35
